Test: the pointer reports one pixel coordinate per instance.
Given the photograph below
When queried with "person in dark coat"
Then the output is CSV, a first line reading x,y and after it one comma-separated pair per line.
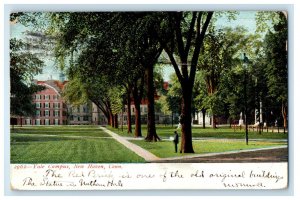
x,y
176,140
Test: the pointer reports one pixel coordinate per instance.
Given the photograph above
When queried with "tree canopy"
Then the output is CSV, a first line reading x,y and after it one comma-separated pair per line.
x,y
23,66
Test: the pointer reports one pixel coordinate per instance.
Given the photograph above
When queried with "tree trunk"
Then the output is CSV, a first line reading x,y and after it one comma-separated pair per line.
x,y
137,106
284,116
111,119
138,129
122,120
137,93
203,118
186,128
129,128
116,124
214,121
151,130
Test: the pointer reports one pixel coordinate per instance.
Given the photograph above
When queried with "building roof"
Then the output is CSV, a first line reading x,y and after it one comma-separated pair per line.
x,y
55,84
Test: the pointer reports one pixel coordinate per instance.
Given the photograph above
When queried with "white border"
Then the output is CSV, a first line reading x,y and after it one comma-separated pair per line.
x,y
295,71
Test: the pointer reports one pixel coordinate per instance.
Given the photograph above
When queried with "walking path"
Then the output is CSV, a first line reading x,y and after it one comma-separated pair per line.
x,y
149,157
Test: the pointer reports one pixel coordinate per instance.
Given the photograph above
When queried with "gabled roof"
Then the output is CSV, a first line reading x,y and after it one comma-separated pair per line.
x,y
58,86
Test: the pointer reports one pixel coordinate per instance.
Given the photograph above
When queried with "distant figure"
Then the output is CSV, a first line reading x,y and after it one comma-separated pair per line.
x,y
176,140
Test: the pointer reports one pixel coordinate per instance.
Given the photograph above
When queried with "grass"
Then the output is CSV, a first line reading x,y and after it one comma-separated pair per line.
x,y
165,149
93,131
37,145
56,144
222,132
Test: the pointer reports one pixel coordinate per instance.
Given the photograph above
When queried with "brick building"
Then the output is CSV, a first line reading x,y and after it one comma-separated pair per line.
x,y
50,106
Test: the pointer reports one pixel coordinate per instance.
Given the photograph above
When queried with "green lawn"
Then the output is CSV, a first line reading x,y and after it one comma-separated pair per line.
x,y
164,149
89,144
223,132
93,131
27,146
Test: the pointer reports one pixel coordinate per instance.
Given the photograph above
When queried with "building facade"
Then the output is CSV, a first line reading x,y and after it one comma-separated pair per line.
x,y
80,115
50,108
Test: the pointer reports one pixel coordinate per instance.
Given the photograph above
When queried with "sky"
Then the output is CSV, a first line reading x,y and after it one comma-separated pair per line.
x,y
245,18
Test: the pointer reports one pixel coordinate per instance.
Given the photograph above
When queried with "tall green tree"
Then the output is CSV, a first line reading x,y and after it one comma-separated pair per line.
x,y
220,54
182,33
145,49
275,47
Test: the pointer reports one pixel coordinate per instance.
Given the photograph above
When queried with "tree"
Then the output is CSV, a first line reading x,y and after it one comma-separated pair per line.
x,y
220,50
23,66
174,95
200,95
144,48
275,47
184,35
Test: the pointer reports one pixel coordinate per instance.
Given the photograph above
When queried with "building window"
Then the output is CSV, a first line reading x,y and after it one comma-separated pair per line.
x,y
132,110
56,105
38,105
56,121
37,96
28,122
37,122
56,113
47,113
55,97
47,105
86,118
47,97
38,113
145,109
47,122
78,118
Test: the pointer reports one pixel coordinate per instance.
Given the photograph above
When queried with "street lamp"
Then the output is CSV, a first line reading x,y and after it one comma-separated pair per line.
x,y
245,65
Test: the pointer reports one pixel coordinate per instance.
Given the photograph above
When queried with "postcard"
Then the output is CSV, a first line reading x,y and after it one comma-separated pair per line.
x,y
149,100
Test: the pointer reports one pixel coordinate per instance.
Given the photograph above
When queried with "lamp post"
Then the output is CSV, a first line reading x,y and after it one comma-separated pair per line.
x,y
245,65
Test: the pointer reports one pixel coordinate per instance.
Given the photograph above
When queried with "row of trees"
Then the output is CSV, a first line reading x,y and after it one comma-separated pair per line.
x,y
111,58
113,55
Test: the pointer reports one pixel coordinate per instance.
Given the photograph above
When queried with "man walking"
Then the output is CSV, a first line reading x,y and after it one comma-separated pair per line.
x,y
176,140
